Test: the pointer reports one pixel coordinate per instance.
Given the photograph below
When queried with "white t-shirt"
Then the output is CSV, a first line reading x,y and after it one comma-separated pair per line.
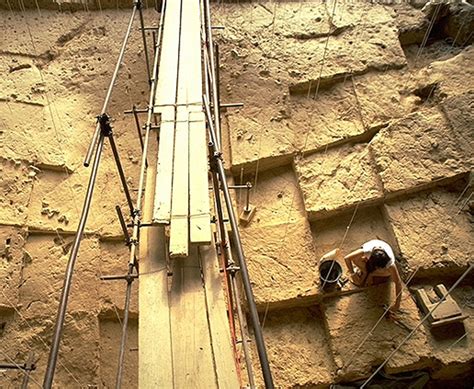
x,y
367,247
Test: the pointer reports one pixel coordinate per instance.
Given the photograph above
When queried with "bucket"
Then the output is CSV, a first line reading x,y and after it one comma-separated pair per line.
x,y
330,271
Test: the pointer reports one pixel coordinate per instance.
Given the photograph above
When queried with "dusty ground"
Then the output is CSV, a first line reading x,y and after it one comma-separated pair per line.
x,y
348,132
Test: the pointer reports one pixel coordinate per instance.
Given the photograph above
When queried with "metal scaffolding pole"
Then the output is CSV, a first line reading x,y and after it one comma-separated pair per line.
x,y
260,343
102,130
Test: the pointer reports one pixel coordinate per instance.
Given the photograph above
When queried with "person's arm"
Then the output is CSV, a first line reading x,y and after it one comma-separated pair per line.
x,y
352,257
398,287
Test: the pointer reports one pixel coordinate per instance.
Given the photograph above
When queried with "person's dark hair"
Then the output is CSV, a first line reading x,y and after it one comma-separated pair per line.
x,y
378,259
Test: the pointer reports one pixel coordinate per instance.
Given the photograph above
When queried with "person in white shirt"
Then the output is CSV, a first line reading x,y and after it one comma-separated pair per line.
x,y
374,260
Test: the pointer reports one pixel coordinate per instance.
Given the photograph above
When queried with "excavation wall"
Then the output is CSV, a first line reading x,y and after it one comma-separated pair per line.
x,y
350,131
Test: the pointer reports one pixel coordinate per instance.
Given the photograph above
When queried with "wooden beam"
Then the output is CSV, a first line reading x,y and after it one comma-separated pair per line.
x,y
226,373
192,354
199,208
164,169
179,232
166,95
155,368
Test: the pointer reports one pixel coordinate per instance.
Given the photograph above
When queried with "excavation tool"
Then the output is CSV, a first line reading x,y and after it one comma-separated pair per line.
x,y
249,210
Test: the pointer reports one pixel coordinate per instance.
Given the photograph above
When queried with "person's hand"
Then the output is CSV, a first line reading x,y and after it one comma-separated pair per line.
x,y
356,277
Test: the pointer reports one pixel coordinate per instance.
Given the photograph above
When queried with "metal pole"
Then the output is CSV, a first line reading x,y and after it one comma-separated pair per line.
x,y
53,354
218,90
145,46
90,150
141,183
121,173
30,365
260,343
212,66
123,341
126,235
243,332
137,123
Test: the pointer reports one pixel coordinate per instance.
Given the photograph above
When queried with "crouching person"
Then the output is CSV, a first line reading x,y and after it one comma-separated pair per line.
x,y
372,264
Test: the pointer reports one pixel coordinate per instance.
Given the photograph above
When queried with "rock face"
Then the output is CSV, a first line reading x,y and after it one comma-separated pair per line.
x,y
352,318
431,247
281,259
350,130
297,348
418,150
337,179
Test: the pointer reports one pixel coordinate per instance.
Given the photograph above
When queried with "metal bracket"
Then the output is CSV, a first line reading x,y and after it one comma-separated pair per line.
x,y
104,123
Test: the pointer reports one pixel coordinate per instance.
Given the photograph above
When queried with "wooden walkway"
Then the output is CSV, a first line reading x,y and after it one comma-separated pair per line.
x,y
184,337
182,196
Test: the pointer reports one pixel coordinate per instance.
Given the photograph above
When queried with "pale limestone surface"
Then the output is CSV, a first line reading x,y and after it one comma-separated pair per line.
x,y
448,76
114,259
434,237
351,318
281,260
12,260
453,346
43,276
418,150
336,179
350,230
298,349
276,196
272,48
262,54
110,334
15,191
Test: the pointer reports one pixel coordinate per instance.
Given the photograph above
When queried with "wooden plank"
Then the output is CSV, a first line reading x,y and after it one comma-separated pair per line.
x,y
192,354
199,208
162,204
218,322
179,232
154,334
166,94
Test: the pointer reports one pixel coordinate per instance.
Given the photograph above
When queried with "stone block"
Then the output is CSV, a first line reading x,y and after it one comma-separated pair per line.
x,y
31,136
110,335
459,111
339,232
332,118
350,319
16,184
297,348
43,276
448,77
276,197
12,260
337,179
78,359
418,151
434,237
57,200
281,260
113,260
412,23
257,138
379,98
453,346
